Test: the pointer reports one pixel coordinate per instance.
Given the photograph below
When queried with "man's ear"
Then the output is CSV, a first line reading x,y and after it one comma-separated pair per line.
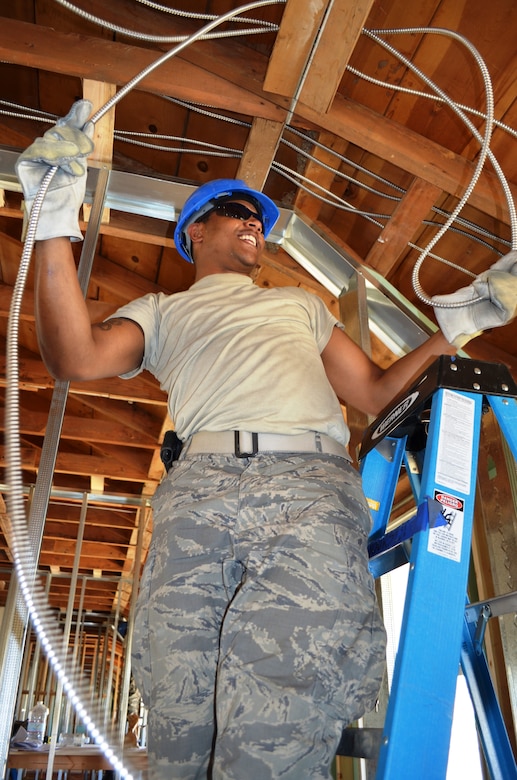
x,y
196,231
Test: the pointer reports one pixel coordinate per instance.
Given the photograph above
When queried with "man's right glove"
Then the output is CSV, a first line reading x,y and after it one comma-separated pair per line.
x,y
66,146
490,301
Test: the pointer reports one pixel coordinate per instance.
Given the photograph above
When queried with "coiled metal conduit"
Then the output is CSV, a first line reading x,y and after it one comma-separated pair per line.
x,y
485,144
46,629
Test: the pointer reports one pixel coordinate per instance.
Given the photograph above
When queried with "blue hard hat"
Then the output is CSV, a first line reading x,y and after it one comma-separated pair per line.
x,y
205,198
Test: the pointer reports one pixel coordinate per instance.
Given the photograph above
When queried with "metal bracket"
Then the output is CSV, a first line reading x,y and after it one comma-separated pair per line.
x,y
482,622
482,611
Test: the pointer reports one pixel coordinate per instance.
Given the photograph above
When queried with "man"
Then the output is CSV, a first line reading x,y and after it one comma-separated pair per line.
x,y
257,636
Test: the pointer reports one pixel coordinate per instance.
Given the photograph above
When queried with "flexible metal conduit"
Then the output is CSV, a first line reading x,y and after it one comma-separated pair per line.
x,y
264,26
23,548
485,142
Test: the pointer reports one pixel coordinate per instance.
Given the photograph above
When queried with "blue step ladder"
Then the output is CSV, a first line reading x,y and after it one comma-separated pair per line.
x,y
434,430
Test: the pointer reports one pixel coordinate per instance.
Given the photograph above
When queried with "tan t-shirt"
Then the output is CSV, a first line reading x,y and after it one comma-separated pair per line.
x,y
234,356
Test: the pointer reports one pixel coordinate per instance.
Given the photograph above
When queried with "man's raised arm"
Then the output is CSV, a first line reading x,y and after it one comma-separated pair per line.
x,y
362,383
490,301
70,346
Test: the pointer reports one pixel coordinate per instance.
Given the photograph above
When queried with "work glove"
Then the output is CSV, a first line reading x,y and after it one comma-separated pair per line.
x,y
497,289
66,145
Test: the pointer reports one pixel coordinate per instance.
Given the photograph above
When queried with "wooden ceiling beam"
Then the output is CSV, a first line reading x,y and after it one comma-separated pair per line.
x,y
26,44
293,45
86,465
133,416
114,517
294,42
92,533
317,59
319,174
61,546
504,85
5,527
140,389
35,46
33,376
99,310
123,283
87,429
317,43
259,152
404,223
125,457
413,153
337,38
99,93
131,227
48,558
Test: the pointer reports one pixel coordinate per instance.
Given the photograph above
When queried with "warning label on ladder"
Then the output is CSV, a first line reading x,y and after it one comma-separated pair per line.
x,y
445,540
453,460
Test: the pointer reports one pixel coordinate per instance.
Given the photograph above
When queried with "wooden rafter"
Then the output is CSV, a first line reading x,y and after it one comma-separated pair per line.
x,y
37,47
405,221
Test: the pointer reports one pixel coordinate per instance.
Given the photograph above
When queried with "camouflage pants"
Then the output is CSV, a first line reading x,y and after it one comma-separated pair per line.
x,y
257,634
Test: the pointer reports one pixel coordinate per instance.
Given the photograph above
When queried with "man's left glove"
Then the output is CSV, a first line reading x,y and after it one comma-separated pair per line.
x,y
66,146
497,289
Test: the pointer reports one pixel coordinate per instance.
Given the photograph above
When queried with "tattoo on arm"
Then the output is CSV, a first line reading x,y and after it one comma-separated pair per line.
x,y
109,324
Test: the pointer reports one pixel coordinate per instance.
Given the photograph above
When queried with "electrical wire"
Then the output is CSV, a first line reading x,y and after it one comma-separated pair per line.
x,y
357,166
485,151
265,28
221,151
330,198
129,137
338,173
429,96
212,150
45,626
325,195
207,17
333,200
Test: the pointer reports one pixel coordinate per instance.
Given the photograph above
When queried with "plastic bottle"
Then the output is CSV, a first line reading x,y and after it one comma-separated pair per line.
x,y
37,723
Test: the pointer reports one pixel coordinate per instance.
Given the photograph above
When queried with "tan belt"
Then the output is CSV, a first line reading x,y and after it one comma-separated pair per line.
x,y
244,444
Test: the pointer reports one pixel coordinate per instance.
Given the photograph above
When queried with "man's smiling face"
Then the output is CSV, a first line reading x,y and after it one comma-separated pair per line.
x,y
226,242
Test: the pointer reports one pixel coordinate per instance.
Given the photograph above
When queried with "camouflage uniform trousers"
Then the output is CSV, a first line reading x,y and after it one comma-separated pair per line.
x,y
257,635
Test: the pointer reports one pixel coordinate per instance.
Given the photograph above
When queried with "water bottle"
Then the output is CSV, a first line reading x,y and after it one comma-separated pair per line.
x,y
37,723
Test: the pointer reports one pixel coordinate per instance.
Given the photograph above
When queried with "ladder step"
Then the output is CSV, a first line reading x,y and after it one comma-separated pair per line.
x,y
360,743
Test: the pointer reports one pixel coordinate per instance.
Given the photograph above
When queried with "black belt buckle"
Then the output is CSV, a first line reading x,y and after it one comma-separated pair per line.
x,y
254,444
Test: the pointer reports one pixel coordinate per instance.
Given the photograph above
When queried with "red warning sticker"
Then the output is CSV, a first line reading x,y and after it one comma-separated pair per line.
x,y
446,539
452,501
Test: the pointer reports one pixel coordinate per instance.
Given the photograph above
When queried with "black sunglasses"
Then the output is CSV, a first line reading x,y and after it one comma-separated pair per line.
x,y
236,211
